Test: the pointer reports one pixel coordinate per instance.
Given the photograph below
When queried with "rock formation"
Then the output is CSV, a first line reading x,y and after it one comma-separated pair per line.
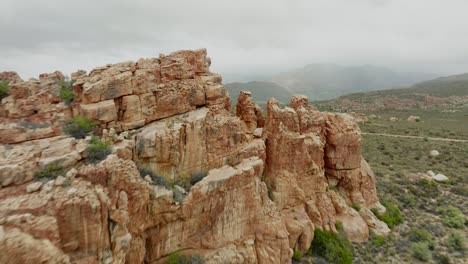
x,y
269,182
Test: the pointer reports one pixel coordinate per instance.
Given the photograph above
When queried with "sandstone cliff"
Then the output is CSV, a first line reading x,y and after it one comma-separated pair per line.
x,y
269,182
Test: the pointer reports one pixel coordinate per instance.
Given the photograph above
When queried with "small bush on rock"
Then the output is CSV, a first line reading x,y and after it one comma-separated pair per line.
x,y
157,179
49,172
420,250
66,91
335,248
356,207
4,89
97,150
79,127
183,181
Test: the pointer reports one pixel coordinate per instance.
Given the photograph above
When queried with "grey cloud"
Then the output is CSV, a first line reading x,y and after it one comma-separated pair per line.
x,y
242,36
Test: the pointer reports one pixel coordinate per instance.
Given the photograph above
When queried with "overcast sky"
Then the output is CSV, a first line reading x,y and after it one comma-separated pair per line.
x,y
242,36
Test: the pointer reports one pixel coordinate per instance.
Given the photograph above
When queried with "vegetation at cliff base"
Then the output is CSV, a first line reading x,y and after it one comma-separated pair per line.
x,y
335,248
78,127
177,258
392,217
297,255
97,150
4,89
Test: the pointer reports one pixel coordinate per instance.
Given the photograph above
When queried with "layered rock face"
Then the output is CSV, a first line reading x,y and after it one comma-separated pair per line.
x,y
269,182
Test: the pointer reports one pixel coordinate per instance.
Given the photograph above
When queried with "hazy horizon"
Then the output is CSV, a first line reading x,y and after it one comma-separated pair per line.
x,y
243,38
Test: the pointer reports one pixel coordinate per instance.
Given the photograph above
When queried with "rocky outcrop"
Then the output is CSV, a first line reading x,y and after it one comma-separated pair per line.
x,y
310,155
250,113
269,182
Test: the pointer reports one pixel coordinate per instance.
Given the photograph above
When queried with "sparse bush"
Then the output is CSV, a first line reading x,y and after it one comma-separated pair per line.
x,y
66,91
456,241
176,258
339,226
378,241
157,179
196,177
79,127
97,150
183,181
49,172
335,248
4,89
420,250
428,188
442,259
392,217
297,255
452,217
422,235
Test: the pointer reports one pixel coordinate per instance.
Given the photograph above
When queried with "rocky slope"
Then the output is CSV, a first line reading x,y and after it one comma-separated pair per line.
x,y
269,183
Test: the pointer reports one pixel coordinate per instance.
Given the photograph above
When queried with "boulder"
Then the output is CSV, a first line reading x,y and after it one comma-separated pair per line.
x,y
440,178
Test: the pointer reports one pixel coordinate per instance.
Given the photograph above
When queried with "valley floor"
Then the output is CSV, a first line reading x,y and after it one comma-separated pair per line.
x,y
399,153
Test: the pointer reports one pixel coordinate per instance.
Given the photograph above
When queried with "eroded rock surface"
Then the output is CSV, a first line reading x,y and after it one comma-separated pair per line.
x,y
269,181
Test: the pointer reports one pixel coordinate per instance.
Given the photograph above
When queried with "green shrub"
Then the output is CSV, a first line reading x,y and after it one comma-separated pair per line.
x,y
157,179
339,225
176,258
49,172
356,207
4,89
452,217
196,177
422,235
420,250
297,255
392,217
97,150
378,241
66,91
335,248
79,127
456,241
442,259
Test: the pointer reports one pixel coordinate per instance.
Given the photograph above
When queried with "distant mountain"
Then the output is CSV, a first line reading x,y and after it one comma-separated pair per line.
x,y
327,81
450,91
261,91
454,85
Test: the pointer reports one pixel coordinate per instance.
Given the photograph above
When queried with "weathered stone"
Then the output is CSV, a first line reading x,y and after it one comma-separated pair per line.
x,y
33,187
